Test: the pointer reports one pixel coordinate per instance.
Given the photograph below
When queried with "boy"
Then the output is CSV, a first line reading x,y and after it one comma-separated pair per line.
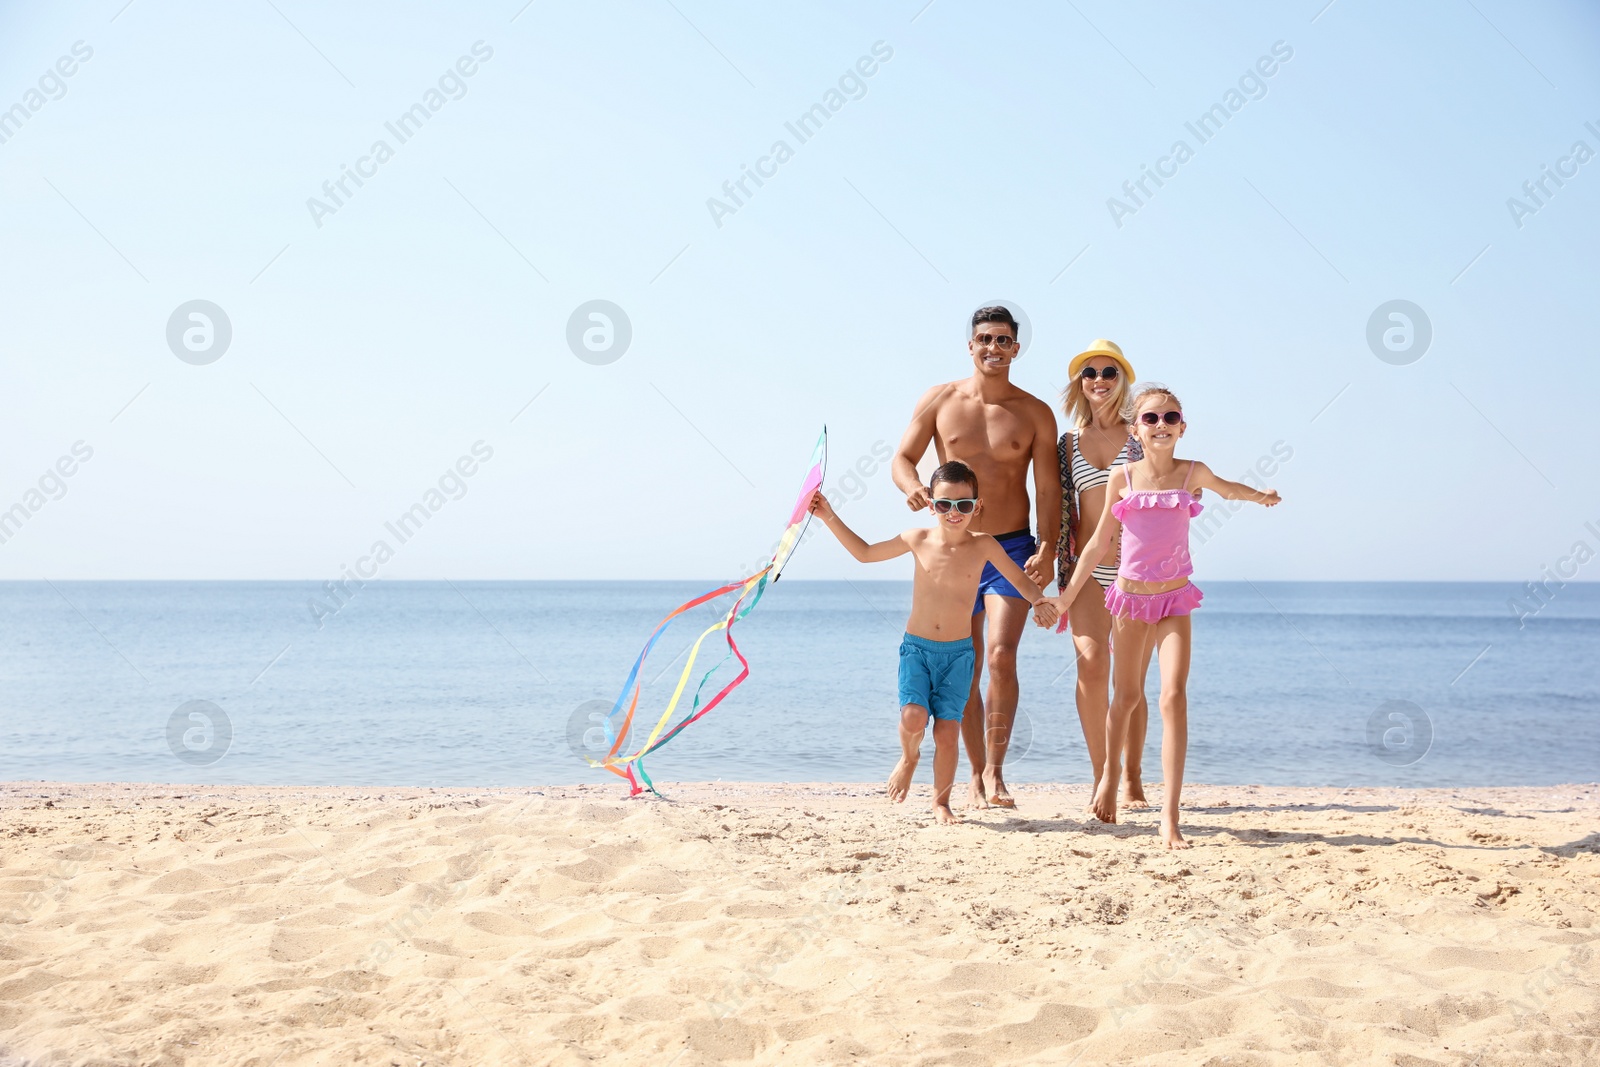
x,y
936,657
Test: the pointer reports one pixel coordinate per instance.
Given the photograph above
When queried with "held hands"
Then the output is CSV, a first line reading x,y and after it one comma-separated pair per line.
x,y
820,507
1270,498
1045,612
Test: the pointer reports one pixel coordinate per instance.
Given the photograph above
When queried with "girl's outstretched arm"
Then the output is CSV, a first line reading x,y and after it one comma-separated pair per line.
x,y
1204,477
852,542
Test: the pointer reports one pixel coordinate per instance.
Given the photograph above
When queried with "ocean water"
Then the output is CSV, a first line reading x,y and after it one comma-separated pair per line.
x,y
497,683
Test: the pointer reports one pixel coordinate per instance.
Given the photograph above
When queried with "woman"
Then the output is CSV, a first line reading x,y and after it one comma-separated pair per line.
x,y
1097,439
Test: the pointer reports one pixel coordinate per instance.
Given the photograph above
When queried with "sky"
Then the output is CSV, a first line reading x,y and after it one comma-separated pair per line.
x,y
423,337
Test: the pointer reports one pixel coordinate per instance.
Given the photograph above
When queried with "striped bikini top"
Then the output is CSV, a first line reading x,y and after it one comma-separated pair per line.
x,y
1086,475
1074,470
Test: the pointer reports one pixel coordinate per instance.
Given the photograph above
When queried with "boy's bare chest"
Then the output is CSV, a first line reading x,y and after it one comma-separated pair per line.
x,y
946,563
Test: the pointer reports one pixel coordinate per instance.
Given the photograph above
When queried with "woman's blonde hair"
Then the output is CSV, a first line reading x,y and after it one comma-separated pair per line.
x,y
1076,406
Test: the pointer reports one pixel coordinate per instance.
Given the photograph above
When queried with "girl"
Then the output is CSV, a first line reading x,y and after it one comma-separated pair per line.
x,y
1098,442
1152,501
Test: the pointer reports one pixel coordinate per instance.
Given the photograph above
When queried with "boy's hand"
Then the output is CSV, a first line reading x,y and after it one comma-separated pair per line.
x,y
1045,612
1271,498
820,507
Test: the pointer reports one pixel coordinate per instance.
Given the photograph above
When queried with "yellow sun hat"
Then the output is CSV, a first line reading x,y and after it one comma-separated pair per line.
x,y
1100,347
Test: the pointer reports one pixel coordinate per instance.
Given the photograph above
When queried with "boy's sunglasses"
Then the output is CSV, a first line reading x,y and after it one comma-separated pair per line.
x,y
964,506
1171,418
1109,374
996,340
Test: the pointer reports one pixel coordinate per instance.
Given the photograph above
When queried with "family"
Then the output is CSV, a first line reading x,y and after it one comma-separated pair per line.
x,y
1111,503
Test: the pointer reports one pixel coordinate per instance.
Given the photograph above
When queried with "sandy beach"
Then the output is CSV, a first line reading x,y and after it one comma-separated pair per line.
x,y
794,924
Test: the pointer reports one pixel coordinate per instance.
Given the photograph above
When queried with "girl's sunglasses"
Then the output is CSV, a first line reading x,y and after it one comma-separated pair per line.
x,y
964,506
1108,375
1171,418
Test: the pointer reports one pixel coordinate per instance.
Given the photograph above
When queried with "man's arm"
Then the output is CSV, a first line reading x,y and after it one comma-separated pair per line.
x,y
852,541
913,444
1041,566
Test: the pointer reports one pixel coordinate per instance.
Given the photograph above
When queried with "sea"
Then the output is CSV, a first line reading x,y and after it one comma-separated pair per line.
x,y
511,683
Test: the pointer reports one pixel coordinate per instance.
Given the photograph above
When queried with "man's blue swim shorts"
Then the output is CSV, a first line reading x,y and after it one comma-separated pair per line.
x,y
1020,546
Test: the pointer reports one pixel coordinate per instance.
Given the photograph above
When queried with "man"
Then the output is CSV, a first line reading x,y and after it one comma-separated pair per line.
x,y
996,429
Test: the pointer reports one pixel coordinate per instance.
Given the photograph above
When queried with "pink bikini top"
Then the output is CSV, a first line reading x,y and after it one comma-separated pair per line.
x,y
1155,530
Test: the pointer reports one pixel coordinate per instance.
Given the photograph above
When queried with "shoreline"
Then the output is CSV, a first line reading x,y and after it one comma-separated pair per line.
x,y
765,923
700,790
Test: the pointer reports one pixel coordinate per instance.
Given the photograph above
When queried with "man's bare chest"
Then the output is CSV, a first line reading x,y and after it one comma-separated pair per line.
x,y
991,430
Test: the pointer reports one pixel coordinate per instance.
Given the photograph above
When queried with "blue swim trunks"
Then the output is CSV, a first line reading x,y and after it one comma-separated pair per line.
x,y
1020,546
936,674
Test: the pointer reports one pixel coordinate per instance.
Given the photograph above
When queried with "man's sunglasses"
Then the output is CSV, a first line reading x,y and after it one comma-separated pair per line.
x,y
1109,374
998,340
1171,418
964,506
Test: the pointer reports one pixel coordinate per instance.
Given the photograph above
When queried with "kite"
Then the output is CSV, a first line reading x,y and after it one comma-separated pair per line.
x,y
749,592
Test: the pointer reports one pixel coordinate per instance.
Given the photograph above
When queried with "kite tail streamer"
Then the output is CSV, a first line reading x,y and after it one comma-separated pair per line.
x,y
610,762
750,591
696,712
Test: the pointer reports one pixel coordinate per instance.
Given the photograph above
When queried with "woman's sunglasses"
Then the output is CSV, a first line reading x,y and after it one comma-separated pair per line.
x,y
1171,418
964,506
1090,374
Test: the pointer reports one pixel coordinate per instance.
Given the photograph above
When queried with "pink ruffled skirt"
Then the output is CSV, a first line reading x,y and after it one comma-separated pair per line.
x,y
1153,607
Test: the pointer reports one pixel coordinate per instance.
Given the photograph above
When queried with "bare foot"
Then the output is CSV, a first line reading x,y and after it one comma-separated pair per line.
x,y
999,795
1104,806
943,813
900,779
975,797
1133,793
1170,834
1088,805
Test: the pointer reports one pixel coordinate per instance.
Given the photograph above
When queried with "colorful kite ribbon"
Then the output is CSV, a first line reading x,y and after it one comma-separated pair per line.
x,y
750,591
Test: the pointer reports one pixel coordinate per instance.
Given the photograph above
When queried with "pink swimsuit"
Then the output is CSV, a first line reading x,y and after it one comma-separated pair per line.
x,y
1155,548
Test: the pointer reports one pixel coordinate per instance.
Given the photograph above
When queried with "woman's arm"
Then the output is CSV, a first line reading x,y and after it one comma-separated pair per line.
x,y
852,542
1206,478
